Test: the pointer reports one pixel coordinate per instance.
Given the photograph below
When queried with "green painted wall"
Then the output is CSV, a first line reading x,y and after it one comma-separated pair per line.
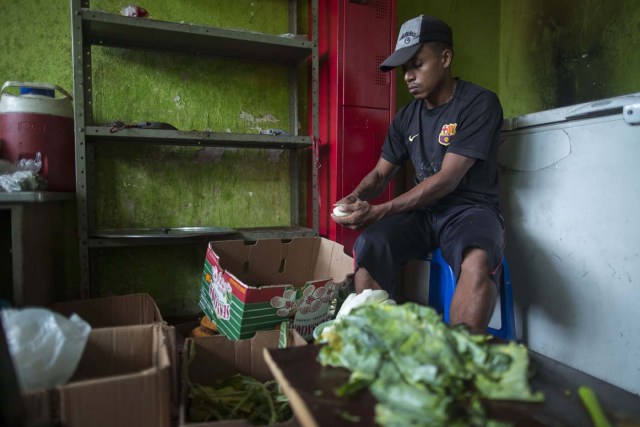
x,y
35,41
561,53
536,54
540,54
152,186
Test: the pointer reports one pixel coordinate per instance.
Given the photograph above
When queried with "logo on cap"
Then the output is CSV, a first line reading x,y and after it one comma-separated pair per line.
x,y
408,37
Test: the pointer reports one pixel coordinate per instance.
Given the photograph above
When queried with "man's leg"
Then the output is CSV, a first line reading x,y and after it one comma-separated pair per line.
x,y
476,293
363,280
384,247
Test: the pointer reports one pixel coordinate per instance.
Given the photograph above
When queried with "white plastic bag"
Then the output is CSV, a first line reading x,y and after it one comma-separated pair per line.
x,y
45,346
23,176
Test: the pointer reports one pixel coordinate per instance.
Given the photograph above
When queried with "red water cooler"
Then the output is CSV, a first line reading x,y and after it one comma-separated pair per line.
x,y
35,121
357,100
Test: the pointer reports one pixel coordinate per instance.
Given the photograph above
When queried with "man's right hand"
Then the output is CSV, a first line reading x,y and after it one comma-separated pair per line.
x,y
360,214
347,206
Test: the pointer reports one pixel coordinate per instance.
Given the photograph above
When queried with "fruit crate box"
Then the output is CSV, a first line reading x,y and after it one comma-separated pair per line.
x,y
251,286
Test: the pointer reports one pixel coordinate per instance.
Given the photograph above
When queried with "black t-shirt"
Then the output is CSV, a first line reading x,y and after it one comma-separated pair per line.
x,y
468,125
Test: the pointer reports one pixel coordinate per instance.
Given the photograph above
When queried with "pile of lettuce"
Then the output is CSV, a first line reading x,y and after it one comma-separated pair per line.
x,y
422,371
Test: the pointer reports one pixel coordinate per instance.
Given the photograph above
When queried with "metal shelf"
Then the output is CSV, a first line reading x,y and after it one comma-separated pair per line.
x,y
35,197
238,234
98,28
102,134
102,28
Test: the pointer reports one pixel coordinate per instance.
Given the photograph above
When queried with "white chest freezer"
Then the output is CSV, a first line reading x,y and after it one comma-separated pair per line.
x,y
570,194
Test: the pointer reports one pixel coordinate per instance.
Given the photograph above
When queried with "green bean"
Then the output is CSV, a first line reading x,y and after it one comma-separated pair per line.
x,y
590,402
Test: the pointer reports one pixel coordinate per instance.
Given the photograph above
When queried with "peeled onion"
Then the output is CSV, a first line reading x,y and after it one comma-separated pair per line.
x,y
337,211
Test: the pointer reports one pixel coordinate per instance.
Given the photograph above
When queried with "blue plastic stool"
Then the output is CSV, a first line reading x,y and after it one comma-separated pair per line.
x,y
442,284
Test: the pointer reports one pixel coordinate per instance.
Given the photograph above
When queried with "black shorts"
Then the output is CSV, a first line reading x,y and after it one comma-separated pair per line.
x,y
387,245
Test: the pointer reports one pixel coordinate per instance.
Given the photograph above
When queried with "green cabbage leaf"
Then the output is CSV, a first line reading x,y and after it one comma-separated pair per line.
x,y
421,371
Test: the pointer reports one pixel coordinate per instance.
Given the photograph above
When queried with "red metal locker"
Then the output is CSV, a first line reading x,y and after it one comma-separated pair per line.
x,y
357,100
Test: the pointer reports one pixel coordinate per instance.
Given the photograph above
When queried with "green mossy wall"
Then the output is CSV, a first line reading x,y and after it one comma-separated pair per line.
x,y
35,41
178,186
154,186
536,54
557,53
540,54
150,186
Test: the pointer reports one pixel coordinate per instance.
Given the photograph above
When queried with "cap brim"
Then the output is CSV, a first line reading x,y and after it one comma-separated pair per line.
x,y
399,57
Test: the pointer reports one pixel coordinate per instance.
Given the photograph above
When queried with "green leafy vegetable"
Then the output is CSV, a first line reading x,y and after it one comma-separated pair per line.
x,y
422,371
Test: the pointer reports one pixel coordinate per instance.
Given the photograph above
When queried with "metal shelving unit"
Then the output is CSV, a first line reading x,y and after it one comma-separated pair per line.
x,y
93,27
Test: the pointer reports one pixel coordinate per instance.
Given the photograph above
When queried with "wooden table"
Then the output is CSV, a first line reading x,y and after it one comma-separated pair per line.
x,y
310,386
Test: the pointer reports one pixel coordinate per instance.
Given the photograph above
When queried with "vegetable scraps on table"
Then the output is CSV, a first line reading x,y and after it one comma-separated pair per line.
x,y
422,371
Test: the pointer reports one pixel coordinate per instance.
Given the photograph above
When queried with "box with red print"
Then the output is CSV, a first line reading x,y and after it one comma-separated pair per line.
x,y
251,286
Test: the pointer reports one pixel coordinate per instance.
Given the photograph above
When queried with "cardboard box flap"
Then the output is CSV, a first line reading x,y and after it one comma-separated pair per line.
x,y
239,259
133,400
299,259
226,357
134,309
332,262
249,354
265,263
247,287
268,262
218,358
117,351
219,353
123,379
232,255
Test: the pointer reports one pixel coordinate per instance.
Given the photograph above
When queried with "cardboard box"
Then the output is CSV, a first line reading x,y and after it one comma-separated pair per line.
x,y
134,309
123,379
123,310
217,358
251,286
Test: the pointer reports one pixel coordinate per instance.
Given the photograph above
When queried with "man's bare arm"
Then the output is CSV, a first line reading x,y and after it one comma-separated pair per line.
x,y
362,213
373,184
454,167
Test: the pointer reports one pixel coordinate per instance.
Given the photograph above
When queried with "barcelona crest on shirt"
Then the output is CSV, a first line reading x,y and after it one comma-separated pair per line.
x,y
447,133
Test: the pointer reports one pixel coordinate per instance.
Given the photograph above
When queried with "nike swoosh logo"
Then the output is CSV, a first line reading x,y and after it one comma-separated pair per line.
x,y
411,138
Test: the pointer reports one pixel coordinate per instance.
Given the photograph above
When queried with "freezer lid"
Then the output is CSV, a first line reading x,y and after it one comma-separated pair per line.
x,y
628,106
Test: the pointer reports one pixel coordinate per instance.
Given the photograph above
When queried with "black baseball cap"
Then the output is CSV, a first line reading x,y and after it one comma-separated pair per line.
x,y
412,34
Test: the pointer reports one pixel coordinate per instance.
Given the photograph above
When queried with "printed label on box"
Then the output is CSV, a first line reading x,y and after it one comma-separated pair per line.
x,y
219,292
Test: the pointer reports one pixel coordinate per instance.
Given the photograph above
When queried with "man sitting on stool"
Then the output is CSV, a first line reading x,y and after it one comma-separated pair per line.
x,y
450,132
